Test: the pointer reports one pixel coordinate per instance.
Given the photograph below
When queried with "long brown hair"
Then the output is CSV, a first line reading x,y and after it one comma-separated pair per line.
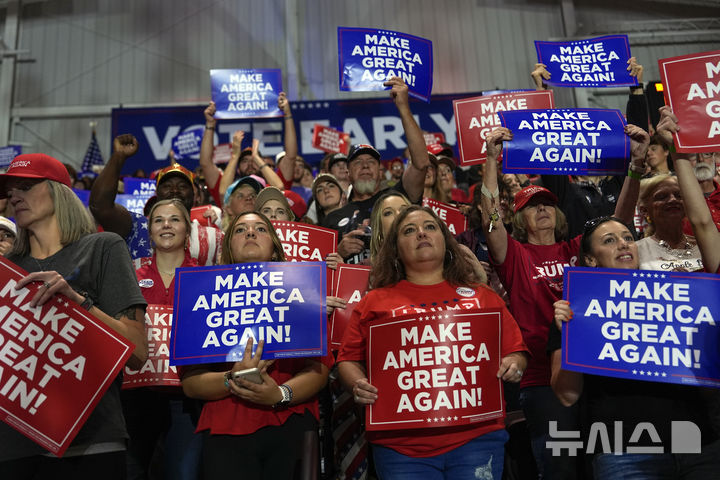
x,y
388,269
227,258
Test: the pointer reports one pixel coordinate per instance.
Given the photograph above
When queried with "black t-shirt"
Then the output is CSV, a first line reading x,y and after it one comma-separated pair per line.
x,y
352,215
609,400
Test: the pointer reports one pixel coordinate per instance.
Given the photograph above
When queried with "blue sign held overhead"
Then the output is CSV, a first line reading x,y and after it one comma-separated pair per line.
x,y
577,141
246,93
217,309
187,144
8,153
595,62
643,325
368,57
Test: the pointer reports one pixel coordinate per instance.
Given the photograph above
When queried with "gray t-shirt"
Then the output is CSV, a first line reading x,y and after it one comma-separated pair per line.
x,y
100,265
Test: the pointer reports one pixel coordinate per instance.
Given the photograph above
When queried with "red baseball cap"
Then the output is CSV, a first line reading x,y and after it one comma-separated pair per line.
x,y
296,202
175,169
35,165
533,191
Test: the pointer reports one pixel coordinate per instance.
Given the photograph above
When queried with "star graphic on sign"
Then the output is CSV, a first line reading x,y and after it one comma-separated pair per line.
x,y
634,274
442,419
429,420
455,418
66,304
642,373
657,374
634,372
435,419
664,374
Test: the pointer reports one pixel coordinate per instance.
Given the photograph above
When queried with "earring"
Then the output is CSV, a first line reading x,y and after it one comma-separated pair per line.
x,y
397,265
647,219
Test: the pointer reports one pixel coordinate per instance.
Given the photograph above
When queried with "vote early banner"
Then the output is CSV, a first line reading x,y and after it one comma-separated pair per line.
x,y
435,369
594,62
351,285
367,57
643,325
330,140
246,93
452,216
307,243
478,116
218,308
692,89
577,141
56,362
156,371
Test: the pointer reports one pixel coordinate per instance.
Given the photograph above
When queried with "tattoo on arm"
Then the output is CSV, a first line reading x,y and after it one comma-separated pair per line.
x,y
129,313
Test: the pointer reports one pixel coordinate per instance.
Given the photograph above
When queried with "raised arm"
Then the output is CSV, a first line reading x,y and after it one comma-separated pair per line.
x,y
539,74
209,169
267,172
636,110
287,163
490,198
696,208
566,385
413,179
229,174
627,200
110,215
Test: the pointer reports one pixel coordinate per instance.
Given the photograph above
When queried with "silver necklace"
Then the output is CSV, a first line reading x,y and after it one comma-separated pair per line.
x,y
685,251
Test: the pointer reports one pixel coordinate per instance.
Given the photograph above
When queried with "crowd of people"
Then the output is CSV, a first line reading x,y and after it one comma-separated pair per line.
x,y
523,231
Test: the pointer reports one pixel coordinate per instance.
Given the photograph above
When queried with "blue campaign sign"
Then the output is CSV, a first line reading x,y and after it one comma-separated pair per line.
x,y
595,62
8,153
643,325
368,57
187,144
217,309
144,187
374,121
577,141
246,93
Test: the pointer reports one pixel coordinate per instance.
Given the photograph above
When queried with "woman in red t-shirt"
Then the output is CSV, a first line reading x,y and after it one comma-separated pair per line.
x,y
421,268
255,430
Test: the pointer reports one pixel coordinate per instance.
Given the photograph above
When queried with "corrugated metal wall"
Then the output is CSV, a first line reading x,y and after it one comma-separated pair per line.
x,y
98,53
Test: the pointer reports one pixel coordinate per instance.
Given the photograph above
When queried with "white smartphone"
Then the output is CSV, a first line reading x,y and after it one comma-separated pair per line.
x,y
250,374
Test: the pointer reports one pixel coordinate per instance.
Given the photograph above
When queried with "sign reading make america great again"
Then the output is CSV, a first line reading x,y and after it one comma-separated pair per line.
x,y
595,62
368,57
246,93
435,369
643,325
217,309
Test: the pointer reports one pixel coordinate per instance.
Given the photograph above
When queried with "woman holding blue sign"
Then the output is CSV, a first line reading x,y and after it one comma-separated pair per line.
x,y
608,243
421,268
255,430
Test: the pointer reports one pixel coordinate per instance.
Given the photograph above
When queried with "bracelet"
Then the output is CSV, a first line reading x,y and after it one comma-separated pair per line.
x,y
264,165
209,127
87,304
226,379
487,193
287,395
634,174
636,169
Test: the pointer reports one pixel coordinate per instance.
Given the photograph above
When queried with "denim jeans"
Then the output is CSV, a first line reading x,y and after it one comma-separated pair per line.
x,y
481,458
541,406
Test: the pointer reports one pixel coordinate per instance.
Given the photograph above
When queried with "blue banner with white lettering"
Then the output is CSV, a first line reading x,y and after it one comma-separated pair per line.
x,y
368,57
8,153
575,141
643,325
595,62
217,309
144,187
187,144
246,93
376,123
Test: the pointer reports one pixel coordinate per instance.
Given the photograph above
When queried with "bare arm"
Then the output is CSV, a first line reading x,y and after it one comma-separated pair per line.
x,y
209,169
696,208
287,163
271,178
228,176
627,200
539,74
497,238
354,377
112,216
567,385
413,179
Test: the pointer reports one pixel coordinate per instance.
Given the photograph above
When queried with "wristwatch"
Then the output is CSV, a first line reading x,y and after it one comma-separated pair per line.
x,y
287,395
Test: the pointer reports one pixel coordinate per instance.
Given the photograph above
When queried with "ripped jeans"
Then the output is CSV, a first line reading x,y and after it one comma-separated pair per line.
x,y
481,458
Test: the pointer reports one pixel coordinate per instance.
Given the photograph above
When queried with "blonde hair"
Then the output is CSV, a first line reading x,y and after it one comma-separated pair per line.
x,y
377,237
647,190
73,219
175,203
520,232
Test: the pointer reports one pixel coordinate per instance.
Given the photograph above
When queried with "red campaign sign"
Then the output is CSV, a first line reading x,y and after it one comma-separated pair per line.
x,y
157,371
476,117
692,89
308,243
330,140
196,213
433,137
56,362
455,220
222,153
351,285
435,369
